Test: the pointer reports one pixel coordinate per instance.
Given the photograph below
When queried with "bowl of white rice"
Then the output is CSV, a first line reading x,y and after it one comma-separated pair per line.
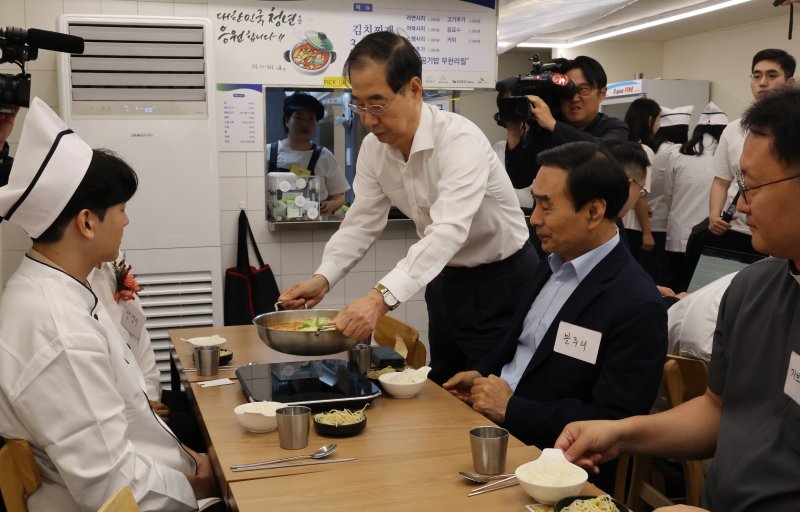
x,y
405,384
258,417
551,477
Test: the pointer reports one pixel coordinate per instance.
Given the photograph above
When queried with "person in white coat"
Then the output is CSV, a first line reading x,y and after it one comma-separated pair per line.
x,y
68,384
687,183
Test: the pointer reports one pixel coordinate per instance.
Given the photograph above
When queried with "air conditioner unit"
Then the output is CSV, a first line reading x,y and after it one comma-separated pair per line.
x,y
144,88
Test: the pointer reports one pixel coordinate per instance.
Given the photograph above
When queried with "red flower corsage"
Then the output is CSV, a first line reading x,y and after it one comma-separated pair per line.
x,y
126,282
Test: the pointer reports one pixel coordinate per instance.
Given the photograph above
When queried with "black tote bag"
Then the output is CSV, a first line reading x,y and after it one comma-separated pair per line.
x,y
249,291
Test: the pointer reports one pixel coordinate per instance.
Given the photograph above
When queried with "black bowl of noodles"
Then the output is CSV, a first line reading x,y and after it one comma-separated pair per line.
x,y
340,423
589,504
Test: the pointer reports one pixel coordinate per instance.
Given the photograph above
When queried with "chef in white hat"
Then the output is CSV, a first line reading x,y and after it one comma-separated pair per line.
x,y
686,187
68,385
673,132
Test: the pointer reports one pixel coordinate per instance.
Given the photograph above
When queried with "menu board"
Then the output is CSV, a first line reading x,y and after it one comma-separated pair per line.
x,y
240,120
304,43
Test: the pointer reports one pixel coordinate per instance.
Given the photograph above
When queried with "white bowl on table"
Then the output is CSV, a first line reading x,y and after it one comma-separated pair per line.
x,y
258,417
214,340
405,384
551,477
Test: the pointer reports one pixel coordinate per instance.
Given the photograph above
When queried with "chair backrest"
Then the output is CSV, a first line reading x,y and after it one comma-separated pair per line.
x,y
121,501
685,378
19,477
391,332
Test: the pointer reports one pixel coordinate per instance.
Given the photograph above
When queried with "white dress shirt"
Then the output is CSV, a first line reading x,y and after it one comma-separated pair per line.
x,y
726,164
687,185
71,387
454,189
554,294
691,321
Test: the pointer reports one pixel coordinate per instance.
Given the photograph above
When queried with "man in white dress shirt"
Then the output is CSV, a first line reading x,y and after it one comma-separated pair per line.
x,y
68,384
440,170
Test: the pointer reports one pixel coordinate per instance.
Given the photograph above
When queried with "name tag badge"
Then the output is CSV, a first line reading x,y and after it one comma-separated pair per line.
x,y
792,386
578,342
132,318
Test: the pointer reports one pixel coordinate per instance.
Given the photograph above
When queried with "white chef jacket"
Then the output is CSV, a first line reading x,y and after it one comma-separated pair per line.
x,y
454,189
658,221
726,164
691,321
332,180
69,386
629,220
687,185
104,284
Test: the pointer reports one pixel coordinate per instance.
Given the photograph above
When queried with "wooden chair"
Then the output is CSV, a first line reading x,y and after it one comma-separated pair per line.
x,y
684,379
19,477
121,501
391,332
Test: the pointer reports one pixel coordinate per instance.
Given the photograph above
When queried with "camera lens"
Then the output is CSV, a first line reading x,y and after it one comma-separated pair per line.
x,y
15,90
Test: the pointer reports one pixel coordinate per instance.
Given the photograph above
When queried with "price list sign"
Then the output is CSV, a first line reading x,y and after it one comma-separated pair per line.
x,y
239,117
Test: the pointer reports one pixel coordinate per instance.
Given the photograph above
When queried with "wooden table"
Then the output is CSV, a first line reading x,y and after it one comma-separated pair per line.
x,y
242,340
408,457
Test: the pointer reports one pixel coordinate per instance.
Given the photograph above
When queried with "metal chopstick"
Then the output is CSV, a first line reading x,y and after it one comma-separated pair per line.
x,y
292,465
478,490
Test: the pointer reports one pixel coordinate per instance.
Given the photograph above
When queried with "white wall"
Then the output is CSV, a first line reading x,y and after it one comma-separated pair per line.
x,y
622,59
292,255
724,58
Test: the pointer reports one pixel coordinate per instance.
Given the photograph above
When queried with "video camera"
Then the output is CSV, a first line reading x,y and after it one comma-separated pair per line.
x,y
19,46
545,80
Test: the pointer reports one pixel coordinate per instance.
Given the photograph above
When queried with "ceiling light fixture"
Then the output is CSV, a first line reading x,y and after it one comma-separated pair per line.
x,y
634,27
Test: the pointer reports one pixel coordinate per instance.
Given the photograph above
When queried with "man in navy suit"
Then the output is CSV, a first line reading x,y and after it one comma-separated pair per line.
x,y
590,339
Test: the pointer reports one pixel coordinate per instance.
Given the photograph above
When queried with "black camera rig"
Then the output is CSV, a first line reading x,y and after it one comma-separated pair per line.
x,y
19,46
545,80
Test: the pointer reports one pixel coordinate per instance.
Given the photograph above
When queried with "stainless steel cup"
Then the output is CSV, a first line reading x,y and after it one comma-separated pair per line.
x,y
489,447
360,357
293,424
206,360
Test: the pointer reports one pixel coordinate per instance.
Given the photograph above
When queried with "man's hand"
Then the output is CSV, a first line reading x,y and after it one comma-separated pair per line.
x,y
541,113
160,409
589,443
648,242
490,396
203,483
666,291
717,226
6,125
358,319
309,292
460,385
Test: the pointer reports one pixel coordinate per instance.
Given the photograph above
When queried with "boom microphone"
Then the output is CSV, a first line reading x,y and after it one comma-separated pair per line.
x,y
44,39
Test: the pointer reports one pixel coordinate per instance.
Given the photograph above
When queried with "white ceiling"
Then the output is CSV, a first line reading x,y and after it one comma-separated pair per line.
x,y
618,13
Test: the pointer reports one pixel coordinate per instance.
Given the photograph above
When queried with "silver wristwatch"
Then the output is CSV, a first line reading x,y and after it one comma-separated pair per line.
x,y
388,298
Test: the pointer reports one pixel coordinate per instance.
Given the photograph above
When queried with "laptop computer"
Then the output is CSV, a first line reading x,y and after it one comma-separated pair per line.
x,y
715,263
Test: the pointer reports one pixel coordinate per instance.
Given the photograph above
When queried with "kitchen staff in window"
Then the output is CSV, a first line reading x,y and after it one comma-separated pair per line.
x,y
297,153
440,170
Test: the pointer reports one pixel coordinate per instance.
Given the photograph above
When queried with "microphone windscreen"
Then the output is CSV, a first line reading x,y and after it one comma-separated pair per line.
x,y
55,41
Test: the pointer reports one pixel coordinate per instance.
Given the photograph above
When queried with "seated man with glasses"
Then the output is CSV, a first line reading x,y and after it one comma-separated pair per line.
x,y
440,170
590,338
580,119
749,417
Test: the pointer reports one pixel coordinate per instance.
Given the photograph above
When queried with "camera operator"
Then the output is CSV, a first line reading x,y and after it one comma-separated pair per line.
x,y
579,120
6,125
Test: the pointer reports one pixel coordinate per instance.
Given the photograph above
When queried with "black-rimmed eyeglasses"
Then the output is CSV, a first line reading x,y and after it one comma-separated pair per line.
x,y
642,191
375,110
744,190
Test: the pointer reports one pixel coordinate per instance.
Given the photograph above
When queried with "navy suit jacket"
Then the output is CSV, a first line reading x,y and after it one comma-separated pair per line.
x,y
618,299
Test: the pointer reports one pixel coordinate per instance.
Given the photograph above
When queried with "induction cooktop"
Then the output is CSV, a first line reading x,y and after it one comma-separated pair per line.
x,y
319,384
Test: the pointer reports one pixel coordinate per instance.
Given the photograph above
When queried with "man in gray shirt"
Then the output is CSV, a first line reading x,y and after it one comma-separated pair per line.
x,y
749,417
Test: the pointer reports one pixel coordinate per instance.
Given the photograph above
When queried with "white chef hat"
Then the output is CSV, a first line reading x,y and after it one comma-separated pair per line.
x,y
712,115
676,116
49,165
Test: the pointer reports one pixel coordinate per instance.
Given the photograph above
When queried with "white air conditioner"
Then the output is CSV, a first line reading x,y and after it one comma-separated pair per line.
x,y
144,88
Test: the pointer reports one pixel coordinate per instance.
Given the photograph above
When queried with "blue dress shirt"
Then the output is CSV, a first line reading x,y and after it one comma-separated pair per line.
x,y
564,280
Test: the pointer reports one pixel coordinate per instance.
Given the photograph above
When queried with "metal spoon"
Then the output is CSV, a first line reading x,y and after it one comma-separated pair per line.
x,y
482,479
319,454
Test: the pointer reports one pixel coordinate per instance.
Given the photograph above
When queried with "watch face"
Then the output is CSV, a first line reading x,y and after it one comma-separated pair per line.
x,y
389,299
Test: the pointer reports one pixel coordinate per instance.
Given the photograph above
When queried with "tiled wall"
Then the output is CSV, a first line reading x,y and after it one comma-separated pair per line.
x,y
292,255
